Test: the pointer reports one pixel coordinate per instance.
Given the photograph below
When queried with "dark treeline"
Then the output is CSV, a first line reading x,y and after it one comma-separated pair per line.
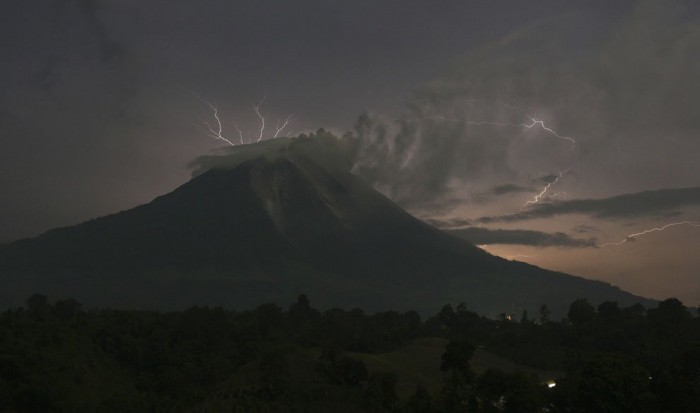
x,y
58,357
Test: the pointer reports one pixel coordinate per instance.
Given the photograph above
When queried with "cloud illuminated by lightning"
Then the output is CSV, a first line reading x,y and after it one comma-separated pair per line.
x,y
533,123
512,257
632,237
487,248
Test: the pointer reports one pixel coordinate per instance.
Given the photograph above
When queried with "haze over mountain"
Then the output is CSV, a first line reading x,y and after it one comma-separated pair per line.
x,y
266,222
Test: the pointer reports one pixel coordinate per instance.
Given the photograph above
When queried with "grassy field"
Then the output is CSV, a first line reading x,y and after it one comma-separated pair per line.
x,y
419,363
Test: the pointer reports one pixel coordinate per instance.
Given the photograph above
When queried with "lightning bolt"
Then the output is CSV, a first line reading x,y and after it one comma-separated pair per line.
x,y
632,237
533,122
543,126
284,125
216,131
256,109
539,196
240,133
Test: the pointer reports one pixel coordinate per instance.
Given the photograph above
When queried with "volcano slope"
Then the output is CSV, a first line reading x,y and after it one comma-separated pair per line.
x,y
273,224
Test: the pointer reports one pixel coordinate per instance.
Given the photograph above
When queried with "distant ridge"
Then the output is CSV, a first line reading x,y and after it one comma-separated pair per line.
x,y
258,228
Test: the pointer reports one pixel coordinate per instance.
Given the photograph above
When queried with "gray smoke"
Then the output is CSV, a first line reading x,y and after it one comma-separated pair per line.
x,y
623,96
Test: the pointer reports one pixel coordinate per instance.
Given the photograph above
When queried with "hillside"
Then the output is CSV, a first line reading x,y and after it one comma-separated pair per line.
x,y
268,225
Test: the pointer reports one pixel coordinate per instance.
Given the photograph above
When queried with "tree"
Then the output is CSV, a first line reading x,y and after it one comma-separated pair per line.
x,y
301,311
269,317
524,319
421,401
38,305
456,357
66,309
339,369
302,306
613,384
381,391
447,315
581,312
274,371
523,394
609,310
515,392
635,311
457,388
457,394
544,314
490,388
670,311
462,307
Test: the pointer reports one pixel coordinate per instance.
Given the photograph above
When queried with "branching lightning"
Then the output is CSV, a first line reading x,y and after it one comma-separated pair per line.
x,y
533,122
632,237
530,122
216,131
284,125
539,196
543,126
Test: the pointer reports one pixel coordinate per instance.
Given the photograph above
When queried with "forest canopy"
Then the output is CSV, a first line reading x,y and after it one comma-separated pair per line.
x,y
57,356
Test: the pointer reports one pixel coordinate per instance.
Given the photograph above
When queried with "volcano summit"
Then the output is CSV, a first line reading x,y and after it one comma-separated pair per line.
x,y
266,223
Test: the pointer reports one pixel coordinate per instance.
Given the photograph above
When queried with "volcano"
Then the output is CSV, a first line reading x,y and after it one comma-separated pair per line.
x,y
272,224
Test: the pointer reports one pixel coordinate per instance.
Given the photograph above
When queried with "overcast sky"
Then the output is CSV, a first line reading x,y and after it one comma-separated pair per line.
x,y
466,110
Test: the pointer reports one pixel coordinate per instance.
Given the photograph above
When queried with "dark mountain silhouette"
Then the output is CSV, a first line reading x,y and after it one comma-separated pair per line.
x,y
268,226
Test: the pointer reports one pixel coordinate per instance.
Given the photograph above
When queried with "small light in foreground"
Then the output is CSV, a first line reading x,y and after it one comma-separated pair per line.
x,y
551,384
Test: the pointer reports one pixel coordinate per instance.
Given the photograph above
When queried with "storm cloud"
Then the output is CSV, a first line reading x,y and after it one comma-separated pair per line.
x,y
90,9
485,236
449,223
627,96
647,203
508,189
441,101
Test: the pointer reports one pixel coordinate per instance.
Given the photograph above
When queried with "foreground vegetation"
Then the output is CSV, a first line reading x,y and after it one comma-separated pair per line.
x,y
56,357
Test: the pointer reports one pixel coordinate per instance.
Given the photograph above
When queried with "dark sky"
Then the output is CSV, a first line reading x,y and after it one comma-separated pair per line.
x,y
99,113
